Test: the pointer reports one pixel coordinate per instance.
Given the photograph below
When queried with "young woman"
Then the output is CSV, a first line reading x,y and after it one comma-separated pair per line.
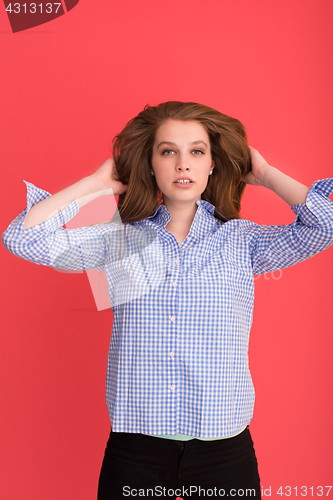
x,y
180,263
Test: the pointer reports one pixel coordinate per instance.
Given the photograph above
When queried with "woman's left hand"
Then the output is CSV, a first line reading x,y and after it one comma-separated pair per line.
x,y
263,174
259,169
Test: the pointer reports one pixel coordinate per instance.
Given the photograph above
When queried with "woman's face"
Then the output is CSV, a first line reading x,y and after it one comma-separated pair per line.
x,y
181,152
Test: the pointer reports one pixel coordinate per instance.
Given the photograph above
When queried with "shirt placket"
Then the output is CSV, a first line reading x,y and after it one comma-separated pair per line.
x,y
174,269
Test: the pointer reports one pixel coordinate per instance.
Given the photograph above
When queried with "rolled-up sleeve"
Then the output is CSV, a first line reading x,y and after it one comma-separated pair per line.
x,y
277,247
50,244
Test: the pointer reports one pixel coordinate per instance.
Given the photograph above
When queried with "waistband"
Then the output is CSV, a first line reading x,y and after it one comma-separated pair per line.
x,y
184,437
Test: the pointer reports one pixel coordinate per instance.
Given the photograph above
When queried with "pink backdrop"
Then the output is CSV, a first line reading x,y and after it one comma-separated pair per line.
x,y
67,88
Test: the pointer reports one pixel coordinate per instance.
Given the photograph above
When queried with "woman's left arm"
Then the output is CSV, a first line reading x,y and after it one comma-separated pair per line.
x,y
263,174
276,247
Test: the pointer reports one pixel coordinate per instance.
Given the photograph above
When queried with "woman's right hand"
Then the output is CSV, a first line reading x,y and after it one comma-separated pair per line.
x,y
106,175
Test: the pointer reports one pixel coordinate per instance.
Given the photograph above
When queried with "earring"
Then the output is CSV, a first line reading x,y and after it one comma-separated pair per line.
x,y
152,173
211,171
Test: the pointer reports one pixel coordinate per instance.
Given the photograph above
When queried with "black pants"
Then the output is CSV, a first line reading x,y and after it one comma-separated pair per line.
x,y
167,469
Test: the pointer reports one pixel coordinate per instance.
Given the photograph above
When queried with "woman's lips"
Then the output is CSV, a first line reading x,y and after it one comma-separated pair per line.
x,y
185,184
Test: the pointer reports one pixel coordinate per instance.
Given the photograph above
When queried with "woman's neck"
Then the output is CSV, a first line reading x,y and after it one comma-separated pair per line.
x,y
181,213
182,216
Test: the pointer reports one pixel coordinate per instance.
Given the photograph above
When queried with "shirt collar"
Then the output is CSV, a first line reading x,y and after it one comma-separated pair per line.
x,y
160,217
203,220
206,206
161,209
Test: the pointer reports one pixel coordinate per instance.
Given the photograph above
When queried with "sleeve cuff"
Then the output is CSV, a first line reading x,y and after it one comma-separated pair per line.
x,y
318,208
34,196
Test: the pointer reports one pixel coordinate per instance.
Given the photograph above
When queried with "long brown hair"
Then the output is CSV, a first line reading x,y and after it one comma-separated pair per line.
x,y
132,153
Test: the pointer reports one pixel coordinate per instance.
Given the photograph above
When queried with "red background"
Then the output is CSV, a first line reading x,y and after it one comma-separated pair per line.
x,y
67,88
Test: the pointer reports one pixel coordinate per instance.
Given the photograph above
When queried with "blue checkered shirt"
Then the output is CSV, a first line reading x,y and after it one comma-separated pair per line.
x,y
178,357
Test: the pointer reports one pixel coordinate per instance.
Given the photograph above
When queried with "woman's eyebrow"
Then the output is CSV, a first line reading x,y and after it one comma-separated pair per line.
x,y
174,144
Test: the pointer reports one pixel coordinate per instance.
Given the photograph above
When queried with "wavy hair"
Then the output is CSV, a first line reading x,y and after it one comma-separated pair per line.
x,y
132,152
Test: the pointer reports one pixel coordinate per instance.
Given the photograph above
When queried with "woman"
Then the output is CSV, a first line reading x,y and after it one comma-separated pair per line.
x,y
180,271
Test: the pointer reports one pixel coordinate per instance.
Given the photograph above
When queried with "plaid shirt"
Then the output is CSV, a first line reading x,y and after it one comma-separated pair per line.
x,y
178,357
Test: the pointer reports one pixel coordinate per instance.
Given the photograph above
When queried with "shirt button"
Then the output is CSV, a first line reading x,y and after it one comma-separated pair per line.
x,y
310,204
172,354
172,387
177,261
174,283
172,318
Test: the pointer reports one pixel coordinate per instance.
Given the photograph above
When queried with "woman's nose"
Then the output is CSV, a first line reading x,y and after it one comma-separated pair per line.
x,y
182,162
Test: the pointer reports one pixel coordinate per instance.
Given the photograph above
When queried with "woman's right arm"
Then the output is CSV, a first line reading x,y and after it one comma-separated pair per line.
x,y
100,183
37,233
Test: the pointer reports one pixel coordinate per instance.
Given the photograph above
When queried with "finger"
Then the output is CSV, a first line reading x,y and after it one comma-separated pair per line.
x,y
252,151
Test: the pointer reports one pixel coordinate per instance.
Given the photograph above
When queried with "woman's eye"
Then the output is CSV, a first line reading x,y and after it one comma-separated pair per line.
x,y
171,151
